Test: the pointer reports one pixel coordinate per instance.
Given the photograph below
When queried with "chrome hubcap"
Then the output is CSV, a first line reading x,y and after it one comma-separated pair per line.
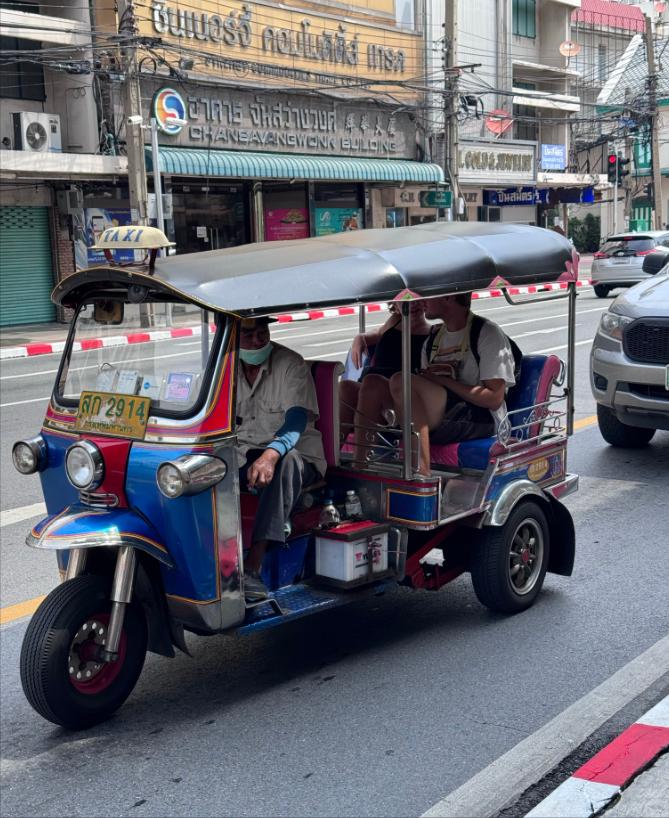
x,y
88,641
526,556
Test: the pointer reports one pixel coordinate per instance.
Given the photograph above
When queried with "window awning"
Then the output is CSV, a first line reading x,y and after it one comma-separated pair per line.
x,y
249,165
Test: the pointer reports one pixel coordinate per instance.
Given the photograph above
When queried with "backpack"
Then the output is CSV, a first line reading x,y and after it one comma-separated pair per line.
x,y
477,325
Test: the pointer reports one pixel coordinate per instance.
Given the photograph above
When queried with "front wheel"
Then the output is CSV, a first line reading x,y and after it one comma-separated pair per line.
x,y
601,290
509,562
63,676
620,434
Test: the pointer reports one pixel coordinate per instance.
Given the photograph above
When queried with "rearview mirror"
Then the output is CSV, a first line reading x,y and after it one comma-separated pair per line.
x,y
108,312
654,262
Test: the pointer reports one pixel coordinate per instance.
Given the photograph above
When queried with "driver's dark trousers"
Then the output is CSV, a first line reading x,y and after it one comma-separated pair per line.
x,y
279,498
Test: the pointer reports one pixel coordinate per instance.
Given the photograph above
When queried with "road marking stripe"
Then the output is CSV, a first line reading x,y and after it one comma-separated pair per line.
x,y
16,515
584,423
502,782
10,613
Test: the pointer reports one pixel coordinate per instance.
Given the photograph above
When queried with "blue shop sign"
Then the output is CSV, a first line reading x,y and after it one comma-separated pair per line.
x,y
553,157
514,196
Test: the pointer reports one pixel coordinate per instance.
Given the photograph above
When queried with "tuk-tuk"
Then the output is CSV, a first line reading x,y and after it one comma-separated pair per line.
x,y
137,459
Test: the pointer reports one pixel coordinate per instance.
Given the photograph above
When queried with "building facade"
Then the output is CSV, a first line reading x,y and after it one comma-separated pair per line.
x,y
517,99
274,122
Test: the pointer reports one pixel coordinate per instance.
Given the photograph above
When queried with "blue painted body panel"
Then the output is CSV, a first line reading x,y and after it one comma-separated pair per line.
x,y
57,489
185,525
412,508
284,564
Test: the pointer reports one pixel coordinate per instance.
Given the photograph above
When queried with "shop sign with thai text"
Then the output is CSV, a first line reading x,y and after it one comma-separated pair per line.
x,y
529,196
489,162
236,120
252,41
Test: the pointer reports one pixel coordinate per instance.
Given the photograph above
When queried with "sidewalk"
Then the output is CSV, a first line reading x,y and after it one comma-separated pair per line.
x,y
41,339
628,778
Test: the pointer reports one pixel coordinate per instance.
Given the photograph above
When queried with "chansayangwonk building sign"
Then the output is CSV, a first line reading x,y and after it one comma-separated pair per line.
x,y
262,42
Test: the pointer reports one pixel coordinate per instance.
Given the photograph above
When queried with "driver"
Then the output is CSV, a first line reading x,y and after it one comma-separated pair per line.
x,y
279,449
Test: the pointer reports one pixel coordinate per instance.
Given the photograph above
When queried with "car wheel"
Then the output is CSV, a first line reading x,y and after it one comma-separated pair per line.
x,y
509,562
619,434
601,290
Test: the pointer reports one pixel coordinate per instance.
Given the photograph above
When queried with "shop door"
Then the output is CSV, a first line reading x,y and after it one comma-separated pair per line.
x,y
26,270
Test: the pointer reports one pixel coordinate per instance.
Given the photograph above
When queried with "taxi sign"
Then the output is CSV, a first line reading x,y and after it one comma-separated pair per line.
x,y
132,237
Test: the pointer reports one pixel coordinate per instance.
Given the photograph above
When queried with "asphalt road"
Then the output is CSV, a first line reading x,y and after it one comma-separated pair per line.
x,y
379,708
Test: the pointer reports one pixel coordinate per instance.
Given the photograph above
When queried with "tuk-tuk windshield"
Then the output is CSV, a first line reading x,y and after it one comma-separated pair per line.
x,y
160,351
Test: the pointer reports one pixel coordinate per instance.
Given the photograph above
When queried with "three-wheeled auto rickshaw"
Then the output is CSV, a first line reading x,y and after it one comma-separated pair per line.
x,y
137,462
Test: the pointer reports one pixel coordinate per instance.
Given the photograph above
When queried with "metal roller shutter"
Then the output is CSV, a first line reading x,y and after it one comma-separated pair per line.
x,y
26,272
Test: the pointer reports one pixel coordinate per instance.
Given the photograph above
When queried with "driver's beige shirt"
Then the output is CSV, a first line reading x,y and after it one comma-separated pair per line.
x,y
284,381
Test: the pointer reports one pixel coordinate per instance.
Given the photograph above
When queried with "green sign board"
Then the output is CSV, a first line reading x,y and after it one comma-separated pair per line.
x,y
435,198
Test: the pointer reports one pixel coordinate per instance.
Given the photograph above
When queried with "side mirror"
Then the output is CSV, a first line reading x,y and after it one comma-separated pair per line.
x,y
654,262
108,312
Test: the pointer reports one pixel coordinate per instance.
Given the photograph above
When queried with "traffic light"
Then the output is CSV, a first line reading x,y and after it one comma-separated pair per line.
x,y
622,162
612,168
648,190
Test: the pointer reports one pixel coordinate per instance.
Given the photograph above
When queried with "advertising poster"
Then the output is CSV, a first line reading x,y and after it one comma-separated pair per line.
x,y
289,223
337,219
98,220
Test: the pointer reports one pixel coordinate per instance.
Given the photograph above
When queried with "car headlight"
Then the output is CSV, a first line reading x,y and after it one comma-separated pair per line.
x,y
190,474
612,325
29,455
84,465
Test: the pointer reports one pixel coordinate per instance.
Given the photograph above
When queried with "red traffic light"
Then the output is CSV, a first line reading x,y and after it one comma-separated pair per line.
x,y
612,159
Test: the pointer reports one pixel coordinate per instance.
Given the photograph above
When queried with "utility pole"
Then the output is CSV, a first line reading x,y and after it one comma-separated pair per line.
x,y
133,114
451,102
654,129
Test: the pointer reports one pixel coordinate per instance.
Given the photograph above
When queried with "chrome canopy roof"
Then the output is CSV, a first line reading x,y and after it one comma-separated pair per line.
x,y
346,268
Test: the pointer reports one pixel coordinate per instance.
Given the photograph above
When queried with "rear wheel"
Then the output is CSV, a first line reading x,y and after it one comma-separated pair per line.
x,y
601,290
620,434
63,675
509,562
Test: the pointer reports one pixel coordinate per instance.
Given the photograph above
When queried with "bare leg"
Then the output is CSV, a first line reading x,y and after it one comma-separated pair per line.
x,y
374,396
348,400
428,403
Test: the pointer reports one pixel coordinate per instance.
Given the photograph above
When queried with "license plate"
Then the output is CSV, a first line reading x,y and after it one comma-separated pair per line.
x,y
620,261
117,415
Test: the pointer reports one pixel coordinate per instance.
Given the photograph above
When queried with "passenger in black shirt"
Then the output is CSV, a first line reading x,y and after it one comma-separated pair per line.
x,y
363,402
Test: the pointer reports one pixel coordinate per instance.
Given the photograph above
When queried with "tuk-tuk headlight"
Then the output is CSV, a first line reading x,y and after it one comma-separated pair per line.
x,y
29,455
190,474
84,465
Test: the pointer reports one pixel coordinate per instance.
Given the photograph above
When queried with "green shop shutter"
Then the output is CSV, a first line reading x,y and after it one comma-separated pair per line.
x,y
26,272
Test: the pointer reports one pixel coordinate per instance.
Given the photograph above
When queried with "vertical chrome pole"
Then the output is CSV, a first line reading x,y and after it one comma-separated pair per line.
x,y
407,426
121,594
76,561
362,311
571,357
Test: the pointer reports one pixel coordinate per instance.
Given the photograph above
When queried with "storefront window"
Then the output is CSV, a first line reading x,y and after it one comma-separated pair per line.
x,y
210,218
337,208
396,217
286,212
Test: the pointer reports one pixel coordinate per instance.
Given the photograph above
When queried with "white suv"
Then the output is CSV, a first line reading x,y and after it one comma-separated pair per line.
x,y
629,364
619,262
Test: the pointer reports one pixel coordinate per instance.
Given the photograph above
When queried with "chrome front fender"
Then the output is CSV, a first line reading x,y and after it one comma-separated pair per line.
x,y
82,527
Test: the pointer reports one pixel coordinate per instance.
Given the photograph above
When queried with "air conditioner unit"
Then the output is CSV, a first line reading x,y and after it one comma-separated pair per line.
x,y
37,132
70,201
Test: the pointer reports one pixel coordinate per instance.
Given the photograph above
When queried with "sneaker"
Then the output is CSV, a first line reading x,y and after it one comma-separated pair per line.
x,y
255,589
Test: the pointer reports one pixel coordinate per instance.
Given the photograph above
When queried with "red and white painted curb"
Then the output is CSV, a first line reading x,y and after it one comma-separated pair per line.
x,y
27,350
602,779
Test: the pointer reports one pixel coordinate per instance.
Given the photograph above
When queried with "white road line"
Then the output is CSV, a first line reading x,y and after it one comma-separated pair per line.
x,y
95,366
502,782
17,515
21,402
555,349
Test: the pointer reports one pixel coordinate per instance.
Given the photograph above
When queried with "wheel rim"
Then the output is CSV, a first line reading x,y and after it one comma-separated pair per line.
x,y
87,673
526,556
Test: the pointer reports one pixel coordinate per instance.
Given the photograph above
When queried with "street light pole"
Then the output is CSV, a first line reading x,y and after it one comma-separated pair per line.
x,y
157,180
